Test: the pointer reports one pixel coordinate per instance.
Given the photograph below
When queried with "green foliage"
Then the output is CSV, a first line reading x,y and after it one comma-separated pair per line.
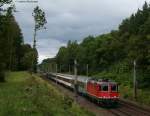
x,y
49,65
9,31
111,56
39,18
23,95
2,76
29,55
2,2
113,52
40,21
13,55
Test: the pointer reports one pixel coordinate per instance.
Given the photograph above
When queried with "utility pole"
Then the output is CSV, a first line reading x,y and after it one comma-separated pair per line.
x,y
69,68
87,70
56,68
43,68
75,79
56,73
49,68
34,38
60,68
134,80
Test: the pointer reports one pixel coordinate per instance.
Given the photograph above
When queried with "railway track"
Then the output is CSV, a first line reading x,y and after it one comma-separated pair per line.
x,y
123,109
83,102
129,109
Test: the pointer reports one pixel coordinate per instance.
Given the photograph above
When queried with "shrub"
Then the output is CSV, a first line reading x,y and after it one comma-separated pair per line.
x,y
2,76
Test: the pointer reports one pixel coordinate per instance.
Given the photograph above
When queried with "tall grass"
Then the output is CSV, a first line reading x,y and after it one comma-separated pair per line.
x,y
23,95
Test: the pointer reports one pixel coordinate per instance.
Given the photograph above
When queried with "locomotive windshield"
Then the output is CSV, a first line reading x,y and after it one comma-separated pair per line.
x,y
104,87
114,88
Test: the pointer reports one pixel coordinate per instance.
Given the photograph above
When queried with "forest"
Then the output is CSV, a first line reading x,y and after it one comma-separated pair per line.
x,y
15,55
110,55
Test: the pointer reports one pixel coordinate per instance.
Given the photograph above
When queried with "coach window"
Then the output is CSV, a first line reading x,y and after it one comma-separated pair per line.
x,y
104,87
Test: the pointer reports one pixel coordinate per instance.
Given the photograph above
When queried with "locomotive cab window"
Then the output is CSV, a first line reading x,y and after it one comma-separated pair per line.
x,y
104,87
114,88
99,87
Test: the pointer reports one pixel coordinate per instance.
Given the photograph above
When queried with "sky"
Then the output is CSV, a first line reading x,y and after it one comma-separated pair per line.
x,y
71,20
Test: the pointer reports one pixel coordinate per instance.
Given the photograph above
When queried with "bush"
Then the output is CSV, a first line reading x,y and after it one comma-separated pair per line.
x,y
2,73
2,76
125,96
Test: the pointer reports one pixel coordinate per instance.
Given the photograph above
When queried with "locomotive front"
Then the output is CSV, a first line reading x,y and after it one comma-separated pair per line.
x,y
103,90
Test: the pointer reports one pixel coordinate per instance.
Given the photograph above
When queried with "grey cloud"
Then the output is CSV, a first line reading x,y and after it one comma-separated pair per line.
x,y
73,19
48,48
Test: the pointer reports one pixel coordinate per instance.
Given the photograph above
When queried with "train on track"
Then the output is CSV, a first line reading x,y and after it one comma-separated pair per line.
x,y
101,91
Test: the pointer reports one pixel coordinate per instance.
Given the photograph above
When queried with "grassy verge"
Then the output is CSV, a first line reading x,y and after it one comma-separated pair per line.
x,y
23,95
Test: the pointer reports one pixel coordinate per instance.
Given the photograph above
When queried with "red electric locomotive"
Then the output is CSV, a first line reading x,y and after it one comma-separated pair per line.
x,y
103,90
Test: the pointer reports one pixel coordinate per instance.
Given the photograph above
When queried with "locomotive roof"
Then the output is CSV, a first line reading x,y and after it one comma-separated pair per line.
x,y
102,81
